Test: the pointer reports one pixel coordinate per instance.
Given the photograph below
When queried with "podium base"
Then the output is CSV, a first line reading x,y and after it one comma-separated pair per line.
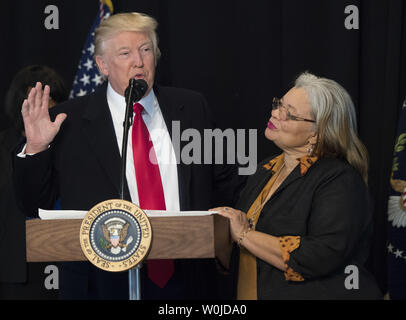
x,y
134,282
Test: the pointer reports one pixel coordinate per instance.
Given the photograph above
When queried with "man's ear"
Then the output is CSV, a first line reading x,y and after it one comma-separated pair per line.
x,y
101,64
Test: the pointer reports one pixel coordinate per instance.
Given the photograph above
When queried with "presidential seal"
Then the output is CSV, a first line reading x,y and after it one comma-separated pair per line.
x,y
115,235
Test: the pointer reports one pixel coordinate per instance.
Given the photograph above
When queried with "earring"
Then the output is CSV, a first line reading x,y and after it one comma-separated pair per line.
x,y
310,150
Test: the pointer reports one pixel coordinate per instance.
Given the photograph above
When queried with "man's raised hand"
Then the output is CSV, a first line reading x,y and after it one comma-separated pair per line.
x,y
39,129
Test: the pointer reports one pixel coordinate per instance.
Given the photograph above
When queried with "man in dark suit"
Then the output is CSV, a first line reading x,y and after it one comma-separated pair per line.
x,y
74,154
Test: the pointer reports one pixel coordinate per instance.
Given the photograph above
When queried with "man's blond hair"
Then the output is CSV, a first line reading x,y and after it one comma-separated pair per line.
x,y
121,22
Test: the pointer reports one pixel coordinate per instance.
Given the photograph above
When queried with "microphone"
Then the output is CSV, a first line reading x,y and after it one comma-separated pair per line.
x,y
135,90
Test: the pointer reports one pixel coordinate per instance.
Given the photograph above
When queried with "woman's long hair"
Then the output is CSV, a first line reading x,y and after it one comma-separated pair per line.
x,y
334,112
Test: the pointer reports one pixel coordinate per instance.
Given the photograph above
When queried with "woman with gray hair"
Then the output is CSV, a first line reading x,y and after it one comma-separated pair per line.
x,y
304,222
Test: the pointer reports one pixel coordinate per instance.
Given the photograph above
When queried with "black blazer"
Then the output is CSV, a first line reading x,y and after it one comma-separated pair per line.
x,y
328,207
12,221
82,168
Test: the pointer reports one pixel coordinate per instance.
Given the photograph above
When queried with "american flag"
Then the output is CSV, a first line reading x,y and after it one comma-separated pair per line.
x,y
88,76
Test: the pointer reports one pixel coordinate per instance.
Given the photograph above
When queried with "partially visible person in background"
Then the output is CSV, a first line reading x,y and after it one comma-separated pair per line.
x,y
16,282
22,84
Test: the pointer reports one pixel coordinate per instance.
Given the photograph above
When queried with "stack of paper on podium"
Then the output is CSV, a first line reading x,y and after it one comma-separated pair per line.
x,y
77,214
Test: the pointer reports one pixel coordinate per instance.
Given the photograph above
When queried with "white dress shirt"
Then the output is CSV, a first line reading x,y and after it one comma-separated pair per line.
x,y
161,140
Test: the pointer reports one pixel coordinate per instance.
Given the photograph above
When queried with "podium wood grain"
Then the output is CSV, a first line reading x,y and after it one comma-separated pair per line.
x,y
173,238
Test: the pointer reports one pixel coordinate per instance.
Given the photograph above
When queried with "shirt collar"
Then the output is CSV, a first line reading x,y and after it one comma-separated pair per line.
x,y
305,163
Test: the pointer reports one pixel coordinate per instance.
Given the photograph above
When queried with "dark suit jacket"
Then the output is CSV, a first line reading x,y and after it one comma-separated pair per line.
x,y
12,221
328,207
82,168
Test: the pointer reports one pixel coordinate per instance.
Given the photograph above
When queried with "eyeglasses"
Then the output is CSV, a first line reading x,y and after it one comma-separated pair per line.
x,y
284,113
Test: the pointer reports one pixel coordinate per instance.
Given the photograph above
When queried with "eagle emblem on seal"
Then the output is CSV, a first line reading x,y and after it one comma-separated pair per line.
x,y
115,232
397,204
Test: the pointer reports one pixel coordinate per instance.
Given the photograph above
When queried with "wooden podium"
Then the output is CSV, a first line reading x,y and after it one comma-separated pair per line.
x,y
185,237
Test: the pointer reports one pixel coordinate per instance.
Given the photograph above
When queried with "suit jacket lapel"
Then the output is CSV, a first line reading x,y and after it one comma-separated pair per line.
x,y
172,111
99,131
249,195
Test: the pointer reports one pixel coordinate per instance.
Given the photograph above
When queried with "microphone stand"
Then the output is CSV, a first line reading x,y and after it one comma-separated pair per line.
x,y
128,121
132,94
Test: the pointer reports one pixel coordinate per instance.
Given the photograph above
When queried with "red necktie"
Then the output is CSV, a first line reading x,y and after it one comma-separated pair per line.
x,y
150,190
